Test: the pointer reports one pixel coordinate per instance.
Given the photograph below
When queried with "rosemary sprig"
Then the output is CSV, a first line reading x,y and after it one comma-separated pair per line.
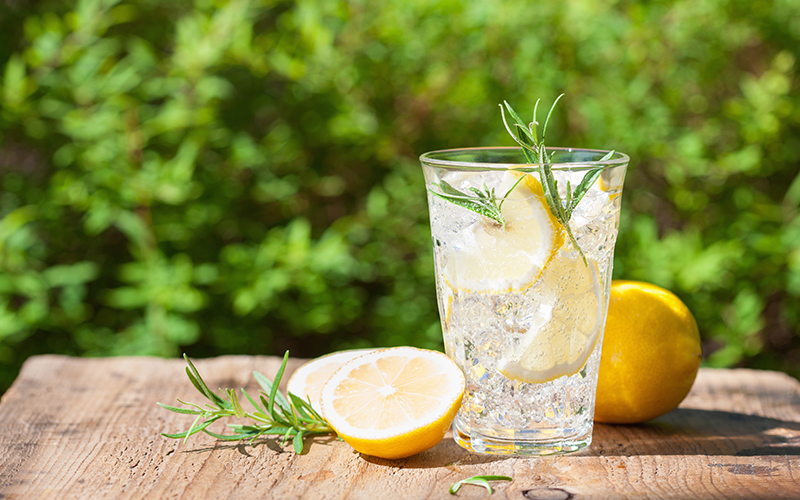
x,y
292,418
483,202
527,136
478,481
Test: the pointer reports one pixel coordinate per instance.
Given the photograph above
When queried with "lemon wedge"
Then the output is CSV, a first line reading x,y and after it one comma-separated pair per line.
x,y
306,382
496,259
560,347
393,403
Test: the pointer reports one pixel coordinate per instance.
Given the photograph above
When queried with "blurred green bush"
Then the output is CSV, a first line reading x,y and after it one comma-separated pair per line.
x,y
241,176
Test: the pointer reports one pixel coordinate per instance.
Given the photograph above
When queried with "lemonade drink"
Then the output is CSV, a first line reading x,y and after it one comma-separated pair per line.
x,y
523,305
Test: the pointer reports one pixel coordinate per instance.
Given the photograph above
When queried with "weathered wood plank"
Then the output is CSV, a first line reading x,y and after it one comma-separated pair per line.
x,y
89,428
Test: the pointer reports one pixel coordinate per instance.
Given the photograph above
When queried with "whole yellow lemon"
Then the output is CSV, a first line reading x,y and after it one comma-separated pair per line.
x,y
651,353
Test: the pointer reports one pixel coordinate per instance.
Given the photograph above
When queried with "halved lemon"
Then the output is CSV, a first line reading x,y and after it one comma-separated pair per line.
x,y
393,403
573,293
306,382
498,259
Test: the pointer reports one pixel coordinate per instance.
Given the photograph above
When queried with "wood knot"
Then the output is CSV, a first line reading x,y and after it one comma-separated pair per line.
x,y
547,494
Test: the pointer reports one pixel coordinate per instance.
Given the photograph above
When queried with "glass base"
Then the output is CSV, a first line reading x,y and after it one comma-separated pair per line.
x,y
532,443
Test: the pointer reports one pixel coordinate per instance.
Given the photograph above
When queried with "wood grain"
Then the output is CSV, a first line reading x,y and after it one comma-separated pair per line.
x,y
89,428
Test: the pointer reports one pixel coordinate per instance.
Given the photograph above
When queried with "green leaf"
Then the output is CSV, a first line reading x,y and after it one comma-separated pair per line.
x,y
549,113
286,435
583,188
271,387
195,382
230,437
299,405
297,442
252,402
527,136
179,435
274,431
194,429
237,407
185,411
478,481
201,386
313,411
525,146
74,274
521,177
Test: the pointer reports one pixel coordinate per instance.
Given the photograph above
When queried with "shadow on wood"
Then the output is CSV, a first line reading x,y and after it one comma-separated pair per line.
x,y
273,443
686,431
445,454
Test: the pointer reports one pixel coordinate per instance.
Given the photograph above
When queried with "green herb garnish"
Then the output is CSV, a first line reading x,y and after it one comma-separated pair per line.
x,y
293,418
483,202
478,481
535,151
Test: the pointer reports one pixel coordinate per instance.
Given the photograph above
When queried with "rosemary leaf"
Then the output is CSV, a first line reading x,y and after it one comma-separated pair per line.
x,y
225,437
588,179
194,429
274,396
238,411
525,146
260,411
297,443
478,481
549,113
286,435
200,384
180,410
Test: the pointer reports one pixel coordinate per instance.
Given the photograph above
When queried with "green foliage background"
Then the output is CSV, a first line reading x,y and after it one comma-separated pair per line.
x,y
241,176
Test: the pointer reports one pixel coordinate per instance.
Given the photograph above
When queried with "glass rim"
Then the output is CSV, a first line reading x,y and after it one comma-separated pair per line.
x,y
426,159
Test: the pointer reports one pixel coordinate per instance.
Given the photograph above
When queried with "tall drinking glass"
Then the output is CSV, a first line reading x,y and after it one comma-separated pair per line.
x,y
522,296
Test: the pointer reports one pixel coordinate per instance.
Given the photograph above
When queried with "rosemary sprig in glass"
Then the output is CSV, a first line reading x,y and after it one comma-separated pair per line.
x,y
483,202
527,136
292,417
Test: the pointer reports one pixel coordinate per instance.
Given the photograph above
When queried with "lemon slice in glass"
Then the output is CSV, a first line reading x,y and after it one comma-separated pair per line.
x,y
563,343
496,259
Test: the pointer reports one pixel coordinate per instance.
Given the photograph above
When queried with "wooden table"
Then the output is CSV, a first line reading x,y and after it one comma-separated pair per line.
x,y
89,428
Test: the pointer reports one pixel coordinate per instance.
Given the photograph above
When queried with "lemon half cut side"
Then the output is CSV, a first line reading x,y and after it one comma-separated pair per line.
x,y
306,382
562,344
393,403
507,259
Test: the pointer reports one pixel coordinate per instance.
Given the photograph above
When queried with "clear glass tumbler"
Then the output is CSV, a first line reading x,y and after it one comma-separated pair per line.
x,y
522,295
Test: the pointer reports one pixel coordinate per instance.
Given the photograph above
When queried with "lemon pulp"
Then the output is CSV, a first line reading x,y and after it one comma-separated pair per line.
x,y
307,381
